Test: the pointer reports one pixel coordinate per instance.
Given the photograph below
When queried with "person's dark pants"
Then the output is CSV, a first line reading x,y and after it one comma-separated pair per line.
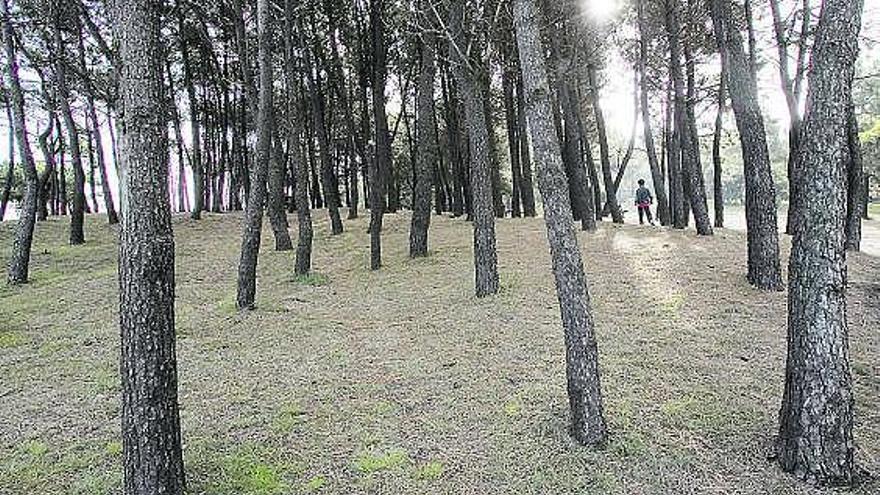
x,y
643,211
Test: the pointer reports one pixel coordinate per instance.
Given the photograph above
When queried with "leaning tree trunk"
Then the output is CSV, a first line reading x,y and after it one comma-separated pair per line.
x,y
112,216
692,163
24,232
251,237
10,167
485,254
428,150
77,215
582,360
582,204
610,193
151,437
195,126
816,419
764,270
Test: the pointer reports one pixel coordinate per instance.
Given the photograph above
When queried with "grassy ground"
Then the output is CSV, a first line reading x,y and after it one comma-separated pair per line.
x,y
402,382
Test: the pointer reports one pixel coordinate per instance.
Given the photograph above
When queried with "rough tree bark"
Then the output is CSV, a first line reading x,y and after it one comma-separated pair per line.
x,y
298,165
253,225
151,437
692,164
428,149
485,254
816,419
764,269
675,137
24,231
582,363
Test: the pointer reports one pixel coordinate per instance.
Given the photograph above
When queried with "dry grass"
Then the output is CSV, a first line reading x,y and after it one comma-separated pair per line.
x,y
402,382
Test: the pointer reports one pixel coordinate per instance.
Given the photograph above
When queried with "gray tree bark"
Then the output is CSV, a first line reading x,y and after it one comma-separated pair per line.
x,y
428,149
77,213
253,225
17,272
816,419
151,436
764,270
482,208
582,364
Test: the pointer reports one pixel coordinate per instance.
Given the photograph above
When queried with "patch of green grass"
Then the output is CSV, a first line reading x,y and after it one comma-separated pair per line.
x,y
371,462
513,408
106,380
35,449
113,448
312,279
672,305
314,484
248,474
10,339
627,444
288,418
430,471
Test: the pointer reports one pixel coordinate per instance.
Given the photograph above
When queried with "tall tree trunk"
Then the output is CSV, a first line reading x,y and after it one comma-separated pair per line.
x,y
379,81
763,236
24,231
675,137
251,237
112,216
855,181
816,419
791,89
610,193
582,360
195,130
581,204
275,205
428,149
527,189
10,165
151,436
298,165
485,254
508,84
77,216
657,177
692,163
319,123
717,168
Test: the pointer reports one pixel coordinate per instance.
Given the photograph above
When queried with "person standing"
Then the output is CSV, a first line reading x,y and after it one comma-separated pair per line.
x,y
644,200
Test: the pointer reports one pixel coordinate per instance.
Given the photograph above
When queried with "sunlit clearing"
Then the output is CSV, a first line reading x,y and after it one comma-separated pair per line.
x,y
600,10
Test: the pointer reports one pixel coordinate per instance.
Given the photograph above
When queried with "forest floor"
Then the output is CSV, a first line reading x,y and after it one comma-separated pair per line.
x,y
402,382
